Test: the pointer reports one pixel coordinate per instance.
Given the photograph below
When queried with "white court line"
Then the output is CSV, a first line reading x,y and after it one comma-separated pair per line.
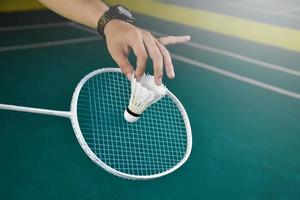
x,y
192,44
237,76
177,57
47,44
239,57
264,10
216,50
32,27
83,28
228,73
283,7
245,58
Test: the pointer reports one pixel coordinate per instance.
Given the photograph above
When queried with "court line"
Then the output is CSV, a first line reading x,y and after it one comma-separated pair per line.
x,y
261,32
236,76
238,56
214,50
192,44
281,8
83,28
263,10
47,44
176,57
245,58
32,27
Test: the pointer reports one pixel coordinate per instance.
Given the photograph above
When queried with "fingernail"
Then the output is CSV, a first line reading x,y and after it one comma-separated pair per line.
x,y
173,75
136,76
129,76
159,81
188,37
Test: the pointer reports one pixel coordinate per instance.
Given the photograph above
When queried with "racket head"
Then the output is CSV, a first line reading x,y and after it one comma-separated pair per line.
x,y
135,162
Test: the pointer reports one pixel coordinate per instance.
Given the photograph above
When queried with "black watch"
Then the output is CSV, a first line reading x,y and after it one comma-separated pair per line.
x,y
114,12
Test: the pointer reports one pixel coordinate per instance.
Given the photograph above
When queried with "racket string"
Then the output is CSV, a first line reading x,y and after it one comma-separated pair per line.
x,y
152,145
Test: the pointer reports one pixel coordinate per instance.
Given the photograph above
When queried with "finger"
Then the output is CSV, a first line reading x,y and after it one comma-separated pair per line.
x,y
156,57
167,60
174,39
142,56
122,61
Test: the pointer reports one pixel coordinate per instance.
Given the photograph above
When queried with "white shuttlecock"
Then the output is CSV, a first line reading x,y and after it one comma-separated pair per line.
x,y
143,94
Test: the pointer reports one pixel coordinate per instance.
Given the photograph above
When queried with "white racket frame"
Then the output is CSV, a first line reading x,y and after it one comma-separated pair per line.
x,y
72,115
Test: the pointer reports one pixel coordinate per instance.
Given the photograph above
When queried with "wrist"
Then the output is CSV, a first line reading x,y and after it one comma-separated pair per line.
x,y
95,11
114,13
109,26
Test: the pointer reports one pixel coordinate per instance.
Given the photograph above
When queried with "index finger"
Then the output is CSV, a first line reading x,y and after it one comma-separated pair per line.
x,y
173,39
121,59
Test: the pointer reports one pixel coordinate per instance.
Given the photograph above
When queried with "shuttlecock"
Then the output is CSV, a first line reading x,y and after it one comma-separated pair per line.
x,y
144,93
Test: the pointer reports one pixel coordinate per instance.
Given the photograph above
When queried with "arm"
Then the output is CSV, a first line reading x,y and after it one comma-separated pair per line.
x,y
86,12
121,37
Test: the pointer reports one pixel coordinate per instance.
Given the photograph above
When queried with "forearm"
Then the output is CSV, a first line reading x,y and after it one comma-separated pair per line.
x,y
86,12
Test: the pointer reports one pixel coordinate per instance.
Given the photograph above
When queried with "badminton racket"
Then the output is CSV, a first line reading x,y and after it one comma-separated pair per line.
x,y
156,145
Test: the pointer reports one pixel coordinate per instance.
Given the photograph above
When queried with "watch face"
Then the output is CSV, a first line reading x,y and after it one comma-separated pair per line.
x,y
124,11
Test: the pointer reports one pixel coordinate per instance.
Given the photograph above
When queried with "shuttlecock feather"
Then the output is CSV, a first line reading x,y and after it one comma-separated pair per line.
x,y
144,93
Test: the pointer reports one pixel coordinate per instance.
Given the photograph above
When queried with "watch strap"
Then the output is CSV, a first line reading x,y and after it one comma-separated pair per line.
x,y
112,14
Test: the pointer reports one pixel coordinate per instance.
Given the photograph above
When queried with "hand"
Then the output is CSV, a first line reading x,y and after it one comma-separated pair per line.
x,y
122,36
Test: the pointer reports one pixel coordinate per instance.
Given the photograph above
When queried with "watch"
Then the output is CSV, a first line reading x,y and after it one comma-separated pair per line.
x,y
114,12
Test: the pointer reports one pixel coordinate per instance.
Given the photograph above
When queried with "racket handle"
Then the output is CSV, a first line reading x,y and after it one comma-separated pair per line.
x,y
35,110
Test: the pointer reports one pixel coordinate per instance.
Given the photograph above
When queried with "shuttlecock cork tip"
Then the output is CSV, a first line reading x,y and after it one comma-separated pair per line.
x,y
130,117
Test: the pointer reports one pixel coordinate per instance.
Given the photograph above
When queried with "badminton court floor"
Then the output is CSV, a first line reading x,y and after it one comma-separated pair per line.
x,y
242,98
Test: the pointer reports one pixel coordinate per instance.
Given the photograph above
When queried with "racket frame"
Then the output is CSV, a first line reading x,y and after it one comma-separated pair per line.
x,y
72,115
91,154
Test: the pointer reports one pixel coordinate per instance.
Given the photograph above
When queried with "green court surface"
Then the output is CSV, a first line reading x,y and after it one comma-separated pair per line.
x,y
242,98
